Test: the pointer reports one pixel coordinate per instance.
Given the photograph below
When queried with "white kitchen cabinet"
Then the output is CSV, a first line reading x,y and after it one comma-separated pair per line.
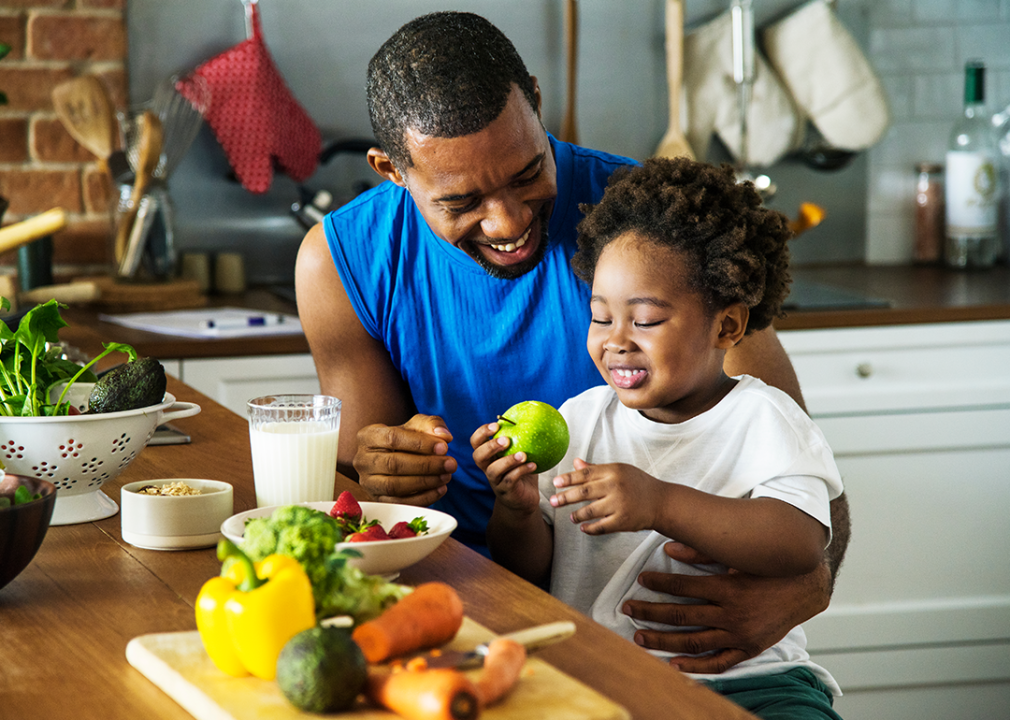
x,y
919,419
236,380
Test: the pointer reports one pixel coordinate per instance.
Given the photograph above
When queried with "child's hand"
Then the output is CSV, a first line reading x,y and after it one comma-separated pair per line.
x,y
512,478
621,497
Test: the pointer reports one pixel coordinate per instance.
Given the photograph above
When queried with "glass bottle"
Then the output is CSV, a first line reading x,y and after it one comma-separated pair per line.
x,y
971,180
929,213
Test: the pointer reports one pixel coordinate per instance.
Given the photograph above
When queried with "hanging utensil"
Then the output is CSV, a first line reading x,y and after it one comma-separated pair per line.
x,y
674,143
149,154
84,107
569,131
742,16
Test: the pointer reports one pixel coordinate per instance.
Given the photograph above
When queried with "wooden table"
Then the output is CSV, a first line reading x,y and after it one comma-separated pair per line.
x,y
66,620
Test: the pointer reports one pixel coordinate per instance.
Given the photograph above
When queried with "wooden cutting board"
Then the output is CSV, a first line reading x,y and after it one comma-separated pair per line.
x,y
177,663
122,296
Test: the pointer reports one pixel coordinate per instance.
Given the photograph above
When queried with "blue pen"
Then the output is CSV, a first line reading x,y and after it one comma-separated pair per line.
x,y
242,322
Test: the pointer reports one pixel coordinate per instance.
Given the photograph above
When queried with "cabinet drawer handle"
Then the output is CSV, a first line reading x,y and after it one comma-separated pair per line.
x,y
864,370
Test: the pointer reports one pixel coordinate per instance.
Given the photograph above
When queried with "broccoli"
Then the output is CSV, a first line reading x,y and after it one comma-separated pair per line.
x,y
310,537
310,544
259,539
347,590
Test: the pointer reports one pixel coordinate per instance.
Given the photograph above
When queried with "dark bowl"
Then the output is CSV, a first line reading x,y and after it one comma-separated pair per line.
x,y
23,527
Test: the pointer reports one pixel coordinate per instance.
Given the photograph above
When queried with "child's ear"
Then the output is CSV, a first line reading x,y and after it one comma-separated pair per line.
x,y
732,325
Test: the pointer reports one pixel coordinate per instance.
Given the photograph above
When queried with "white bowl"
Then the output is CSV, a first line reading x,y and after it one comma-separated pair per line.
x,y
175,522
80,453
379,557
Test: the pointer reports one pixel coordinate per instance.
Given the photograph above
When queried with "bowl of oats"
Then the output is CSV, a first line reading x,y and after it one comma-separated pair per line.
x,y
174,513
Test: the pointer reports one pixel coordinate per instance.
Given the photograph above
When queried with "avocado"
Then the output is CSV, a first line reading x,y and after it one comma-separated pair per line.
x,y
321,670
136,384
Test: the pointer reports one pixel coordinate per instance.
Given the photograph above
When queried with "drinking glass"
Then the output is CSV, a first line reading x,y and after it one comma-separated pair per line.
x,y
294,448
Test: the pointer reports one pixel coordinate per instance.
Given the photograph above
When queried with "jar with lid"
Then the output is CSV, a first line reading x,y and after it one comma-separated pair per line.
x,y
929,213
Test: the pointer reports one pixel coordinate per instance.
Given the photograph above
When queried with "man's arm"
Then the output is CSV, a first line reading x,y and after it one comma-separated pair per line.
x,y
350,363
394,454
761,354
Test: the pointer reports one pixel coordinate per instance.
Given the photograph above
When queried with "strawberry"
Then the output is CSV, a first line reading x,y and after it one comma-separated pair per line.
x,y
415,527
346,507
401,530
372,532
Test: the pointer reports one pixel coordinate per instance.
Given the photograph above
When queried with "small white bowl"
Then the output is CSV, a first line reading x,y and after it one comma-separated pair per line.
x,y
379,557
175,522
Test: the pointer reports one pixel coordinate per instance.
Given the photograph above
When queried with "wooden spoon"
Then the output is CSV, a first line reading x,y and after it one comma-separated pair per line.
x,y
148,155
86,111
674,144
569,132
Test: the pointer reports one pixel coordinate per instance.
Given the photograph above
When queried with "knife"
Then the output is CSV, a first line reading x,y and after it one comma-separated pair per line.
x,y
532,639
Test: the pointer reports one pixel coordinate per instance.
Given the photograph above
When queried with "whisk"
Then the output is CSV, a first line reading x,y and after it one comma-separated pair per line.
x,y
180,120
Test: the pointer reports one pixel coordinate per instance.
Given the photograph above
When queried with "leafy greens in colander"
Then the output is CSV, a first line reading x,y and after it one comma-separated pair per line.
x,y
30,365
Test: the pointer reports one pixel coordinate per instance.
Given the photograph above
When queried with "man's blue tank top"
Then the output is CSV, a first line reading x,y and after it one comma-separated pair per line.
x,y
468,345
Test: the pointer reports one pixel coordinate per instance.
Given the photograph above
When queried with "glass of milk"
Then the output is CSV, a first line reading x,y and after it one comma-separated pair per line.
x,y
294,448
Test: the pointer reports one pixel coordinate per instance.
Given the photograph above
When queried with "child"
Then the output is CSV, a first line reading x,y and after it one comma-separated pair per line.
x,y
683,263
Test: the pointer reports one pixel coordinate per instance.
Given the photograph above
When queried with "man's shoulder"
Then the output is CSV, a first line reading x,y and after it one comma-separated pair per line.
x,y
375,201
600,158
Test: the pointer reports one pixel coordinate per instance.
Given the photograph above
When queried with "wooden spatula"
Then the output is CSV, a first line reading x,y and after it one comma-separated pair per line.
x,y
569,131
674,144
148,154
86,111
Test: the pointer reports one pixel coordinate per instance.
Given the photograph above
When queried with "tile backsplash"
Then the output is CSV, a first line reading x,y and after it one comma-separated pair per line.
x,y
919,48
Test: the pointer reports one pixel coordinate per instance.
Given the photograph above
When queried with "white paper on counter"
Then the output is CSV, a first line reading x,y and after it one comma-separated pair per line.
x,y
192,323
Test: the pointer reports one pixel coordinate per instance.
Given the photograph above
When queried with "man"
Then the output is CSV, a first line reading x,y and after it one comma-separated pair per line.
x,y
442,297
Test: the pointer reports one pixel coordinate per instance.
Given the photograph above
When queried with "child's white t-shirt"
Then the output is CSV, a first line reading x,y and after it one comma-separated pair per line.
x,y
757,442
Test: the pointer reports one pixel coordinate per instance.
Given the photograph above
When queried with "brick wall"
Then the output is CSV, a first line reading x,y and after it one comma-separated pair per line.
x,y
41,165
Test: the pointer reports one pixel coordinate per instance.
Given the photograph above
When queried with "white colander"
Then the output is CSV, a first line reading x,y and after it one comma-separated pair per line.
x,y
79,453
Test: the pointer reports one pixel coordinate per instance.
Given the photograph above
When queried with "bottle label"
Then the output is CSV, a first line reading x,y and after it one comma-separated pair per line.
x,y
972,191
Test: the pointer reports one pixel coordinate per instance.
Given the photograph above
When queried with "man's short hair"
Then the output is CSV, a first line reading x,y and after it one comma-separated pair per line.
x,y
445,74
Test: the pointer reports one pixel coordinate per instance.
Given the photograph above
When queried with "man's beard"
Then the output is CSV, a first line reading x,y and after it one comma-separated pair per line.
x,y
511,272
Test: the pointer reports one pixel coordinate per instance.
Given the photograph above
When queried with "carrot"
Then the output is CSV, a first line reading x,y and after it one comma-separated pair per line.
x,y
442,694
504,661
431,615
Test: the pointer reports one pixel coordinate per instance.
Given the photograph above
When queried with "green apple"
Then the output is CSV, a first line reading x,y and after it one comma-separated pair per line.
x,y
536,429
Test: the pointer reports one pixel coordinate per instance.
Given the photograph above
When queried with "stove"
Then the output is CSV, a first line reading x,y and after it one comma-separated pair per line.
x,y
807,295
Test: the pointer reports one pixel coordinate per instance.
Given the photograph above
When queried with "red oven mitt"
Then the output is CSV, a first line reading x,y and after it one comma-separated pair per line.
x,y
254,116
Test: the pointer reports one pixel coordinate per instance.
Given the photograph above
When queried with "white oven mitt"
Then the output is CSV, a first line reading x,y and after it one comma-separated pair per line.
x,y
828,75
774,125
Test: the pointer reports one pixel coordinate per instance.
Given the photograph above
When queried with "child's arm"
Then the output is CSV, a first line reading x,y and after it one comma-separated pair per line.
x,y
517,535
760,536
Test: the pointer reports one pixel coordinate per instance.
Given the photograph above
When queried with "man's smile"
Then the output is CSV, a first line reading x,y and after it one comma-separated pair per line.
x,y
513,246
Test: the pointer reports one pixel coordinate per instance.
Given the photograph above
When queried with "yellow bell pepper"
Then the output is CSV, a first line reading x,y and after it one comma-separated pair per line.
x,y
247,615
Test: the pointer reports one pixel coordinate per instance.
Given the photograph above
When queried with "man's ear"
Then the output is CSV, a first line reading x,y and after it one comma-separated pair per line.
x,y
536,92
381,164
732,323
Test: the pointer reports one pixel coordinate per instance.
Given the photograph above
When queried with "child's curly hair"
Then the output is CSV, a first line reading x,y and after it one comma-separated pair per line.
x,y
737,246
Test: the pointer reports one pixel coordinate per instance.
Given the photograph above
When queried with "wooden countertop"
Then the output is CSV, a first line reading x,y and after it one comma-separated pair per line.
x,y
924,294
67,618
914,295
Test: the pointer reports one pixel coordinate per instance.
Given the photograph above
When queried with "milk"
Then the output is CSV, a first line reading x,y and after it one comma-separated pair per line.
x,y
293,462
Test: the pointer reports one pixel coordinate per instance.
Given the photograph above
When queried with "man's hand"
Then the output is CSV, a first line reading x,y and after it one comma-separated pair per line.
x,y
744,614
406,463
